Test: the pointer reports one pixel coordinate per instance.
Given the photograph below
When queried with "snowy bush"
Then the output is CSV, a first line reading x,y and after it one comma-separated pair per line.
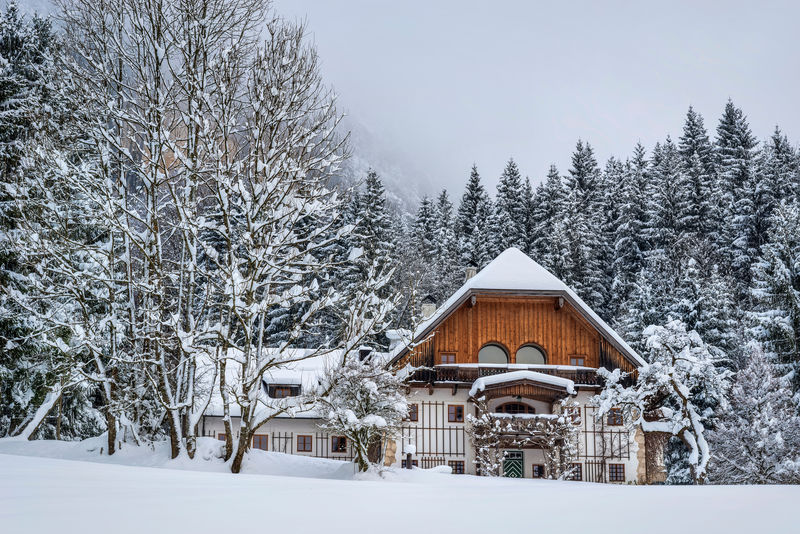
x,y
365,402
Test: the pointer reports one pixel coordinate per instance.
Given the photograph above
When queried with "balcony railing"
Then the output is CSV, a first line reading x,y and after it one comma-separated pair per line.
x,y
468,374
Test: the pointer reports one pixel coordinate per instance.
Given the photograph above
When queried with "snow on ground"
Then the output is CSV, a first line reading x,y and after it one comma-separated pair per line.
x,y
40,494
207,459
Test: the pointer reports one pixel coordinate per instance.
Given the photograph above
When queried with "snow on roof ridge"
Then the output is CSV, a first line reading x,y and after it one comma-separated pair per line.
x,y
514,376
513,270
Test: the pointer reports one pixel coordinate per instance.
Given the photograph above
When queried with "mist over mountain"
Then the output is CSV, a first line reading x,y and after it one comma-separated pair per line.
x,y
405,181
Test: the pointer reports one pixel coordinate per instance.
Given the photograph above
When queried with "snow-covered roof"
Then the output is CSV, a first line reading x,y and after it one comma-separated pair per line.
x,y
515,376
305,367
514,271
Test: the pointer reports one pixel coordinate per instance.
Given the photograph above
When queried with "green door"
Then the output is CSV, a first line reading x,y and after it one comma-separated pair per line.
x,y
512,464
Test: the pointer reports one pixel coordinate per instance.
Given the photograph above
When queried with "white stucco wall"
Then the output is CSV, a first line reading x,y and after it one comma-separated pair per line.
x,y
434,439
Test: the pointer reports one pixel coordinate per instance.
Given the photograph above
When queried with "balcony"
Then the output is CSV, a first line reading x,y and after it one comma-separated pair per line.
x,y
468,373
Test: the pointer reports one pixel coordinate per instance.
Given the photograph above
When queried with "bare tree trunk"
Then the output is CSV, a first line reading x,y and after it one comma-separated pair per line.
x,y
241,449
60,414
111,423
29,429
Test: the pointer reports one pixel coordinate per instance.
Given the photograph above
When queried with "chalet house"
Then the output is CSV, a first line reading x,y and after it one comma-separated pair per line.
x,y
517,336
514,341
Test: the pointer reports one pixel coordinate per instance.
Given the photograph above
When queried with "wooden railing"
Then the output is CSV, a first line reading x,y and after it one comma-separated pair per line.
x,y
457,374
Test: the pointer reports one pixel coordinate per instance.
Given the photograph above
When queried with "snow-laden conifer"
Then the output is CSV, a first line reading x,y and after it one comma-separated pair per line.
x,y
756,439
471,221
674,393
510,215
775,317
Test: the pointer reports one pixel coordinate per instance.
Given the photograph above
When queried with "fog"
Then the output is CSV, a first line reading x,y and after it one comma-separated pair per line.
x,y
433,87
440,85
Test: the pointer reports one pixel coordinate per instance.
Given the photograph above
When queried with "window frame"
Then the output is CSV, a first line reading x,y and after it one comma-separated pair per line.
x,y
577,361
265,437
310,442
221,436
577,472
532,346
457,466
528,409
443,357
502,349
614,417
535,468
413,412
283,391
453,413
338,440
616,472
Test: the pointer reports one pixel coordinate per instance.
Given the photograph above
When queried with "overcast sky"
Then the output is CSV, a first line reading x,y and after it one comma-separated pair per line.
x,y
447,83
438,85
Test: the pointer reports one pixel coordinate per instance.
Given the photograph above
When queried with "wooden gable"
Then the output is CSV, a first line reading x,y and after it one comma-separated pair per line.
x,y
513,321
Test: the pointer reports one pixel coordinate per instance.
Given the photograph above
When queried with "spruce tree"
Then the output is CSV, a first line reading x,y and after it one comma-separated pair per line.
x,y
778,178
612,180
584,177
697,217
663,196
424,247
40,122
375,226
705,303
447,268
425,229
735,159
756,439
530,221
628,257
471,222
640,179
547,211
775,291
581,267
510,211
583,227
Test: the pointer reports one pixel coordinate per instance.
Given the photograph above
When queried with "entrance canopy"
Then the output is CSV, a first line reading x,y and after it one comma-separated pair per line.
x,y
527,384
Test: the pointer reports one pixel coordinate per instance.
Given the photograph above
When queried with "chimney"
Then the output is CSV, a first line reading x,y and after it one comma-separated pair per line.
x,y
428,307
471,271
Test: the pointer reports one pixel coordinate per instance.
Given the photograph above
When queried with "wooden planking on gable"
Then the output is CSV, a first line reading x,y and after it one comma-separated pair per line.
x,y
514,321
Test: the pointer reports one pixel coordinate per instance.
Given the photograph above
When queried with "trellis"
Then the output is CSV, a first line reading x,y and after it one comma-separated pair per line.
x,y
491,433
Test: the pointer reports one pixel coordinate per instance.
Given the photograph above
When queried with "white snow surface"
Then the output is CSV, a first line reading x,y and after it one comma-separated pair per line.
x,y
513,270
485,381
67,496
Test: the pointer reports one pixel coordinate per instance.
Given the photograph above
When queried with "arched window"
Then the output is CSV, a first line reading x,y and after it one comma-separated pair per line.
x,y
492,354
515,408
531,355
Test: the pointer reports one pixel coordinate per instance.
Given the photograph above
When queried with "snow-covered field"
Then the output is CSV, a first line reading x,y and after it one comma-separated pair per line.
x,y
40,493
